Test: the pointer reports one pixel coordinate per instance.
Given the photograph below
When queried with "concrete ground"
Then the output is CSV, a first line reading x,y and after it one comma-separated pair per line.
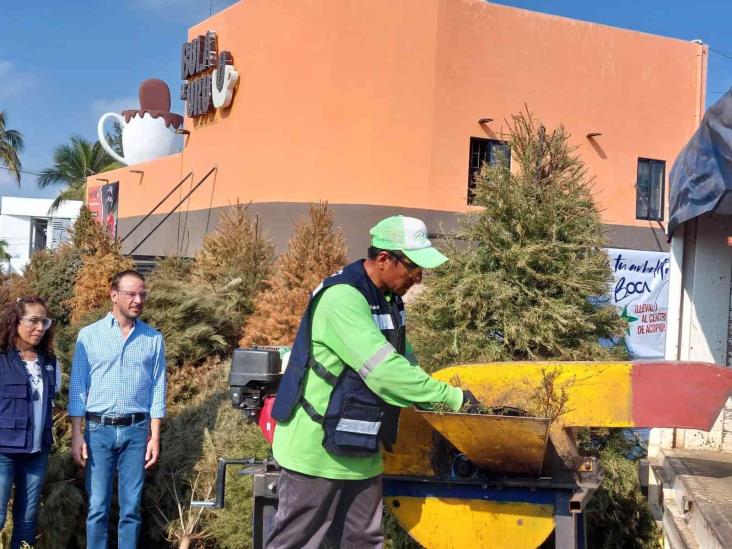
x,y
694,493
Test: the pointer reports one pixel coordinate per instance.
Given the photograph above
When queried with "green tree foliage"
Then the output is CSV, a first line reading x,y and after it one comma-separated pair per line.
x,y
617,515
235,259
11,144
523,266
114,138
4,255
315,251
200,428
195,322
72,164
51,274
12,286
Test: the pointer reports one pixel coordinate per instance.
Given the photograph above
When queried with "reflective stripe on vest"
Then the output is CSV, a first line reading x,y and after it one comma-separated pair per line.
x,y
357,426
374,360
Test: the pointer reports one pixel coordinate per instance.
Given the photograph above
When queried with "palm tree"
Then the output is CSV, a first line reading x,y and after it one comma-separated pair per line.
x,y
11,143
72,164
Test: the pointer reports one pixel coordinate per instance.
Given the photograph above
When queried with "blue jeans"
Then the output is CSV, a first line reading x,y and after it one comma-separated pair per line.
x,y
110,449
27,472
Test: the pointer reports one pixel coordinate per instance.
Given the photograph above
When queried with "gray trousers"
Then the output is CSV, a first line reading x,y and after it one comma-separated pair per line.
x,y
311,506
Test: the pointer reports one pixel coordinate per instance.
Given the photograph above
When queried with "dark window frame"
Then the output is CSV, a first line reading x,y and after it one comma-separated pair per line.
x,y
474,164
38,234
644,208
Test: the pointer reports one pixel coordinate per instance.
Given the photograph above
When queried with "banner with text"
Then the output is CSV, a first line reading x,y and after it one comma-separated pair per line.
x,y
640,294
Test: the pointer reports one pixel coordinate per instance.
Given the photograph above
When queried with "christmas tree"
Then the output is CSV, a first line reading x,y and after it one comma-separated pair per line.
x,y
315,251
524,266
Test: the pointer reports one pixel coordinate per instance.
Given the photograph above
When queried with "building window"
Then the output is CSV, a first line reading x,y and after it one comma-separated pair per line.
x,y
39,229
482,151
649,189
59,231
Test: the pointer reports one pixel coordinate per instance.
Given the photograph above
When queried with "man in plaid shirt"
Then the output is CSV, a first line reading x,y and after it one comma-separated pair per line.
x,y
118,385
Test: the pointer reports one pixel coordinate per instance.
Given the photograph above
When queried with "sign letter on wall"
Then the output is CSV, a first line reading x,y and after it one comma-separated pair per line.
x,y
204,90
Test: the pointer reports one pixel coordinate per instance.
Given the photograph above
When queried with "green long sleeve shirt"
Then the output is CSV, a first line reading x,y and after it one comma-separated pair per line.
x,y
345,336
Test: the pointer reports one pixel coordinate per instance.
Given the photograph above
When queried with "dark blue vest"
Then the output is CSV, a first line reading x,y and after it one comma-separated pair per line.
x,y
16,402
356,419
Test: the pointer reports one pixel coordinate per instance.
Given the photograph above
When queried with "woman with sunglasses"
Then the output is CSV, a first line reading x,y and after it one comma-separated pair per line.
x,y
29,380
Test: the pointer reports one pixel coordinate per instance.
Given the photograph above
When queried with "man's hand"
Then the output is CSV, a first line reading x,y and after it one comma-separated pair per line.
x,y
78,448
152,453
470,403
469,398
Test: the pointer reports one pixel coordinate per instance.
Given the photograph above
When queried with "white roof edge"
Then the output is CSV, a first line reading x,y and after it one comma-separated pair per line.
x,y
38,207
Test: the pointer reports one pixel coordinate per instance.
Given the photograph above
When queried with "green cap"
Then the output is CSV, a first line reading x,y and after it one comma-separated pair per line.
x,y
409,236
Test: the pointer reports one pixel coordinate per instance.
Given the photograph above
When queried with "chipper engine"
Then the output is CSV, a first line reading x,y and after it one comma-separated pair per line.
x,y
510,476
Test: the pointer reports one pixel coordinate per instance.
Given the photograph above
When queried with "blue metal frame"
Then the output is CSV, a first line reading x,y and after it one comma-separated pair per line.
x,y
436,489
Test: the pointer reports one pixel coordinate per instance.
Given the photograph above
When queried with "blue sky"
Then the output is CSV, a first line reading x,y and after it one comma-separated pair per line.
x,y
63,64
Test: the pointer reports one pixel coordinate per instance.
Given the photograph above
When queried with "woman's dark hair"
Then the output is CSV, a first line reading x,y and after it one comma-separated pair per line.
x,y
11,319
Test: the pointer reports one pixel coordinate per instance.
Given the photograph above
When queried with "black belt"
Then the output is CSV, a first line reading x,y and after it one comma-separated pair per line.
x,y
118,421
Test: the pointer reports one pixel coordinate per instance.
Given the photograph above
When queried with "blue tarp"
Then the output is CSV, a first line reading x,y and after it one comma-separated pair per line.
x,y
702,173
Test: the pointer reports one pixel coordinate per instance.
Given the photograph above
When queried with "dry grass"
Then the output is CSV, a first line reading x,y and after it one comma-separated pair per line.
x,y
201,427
549,398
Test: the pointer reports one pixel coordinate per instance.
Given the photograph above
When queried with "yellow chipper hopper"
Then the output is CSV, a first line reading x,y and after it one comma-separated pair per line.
x,y
506,481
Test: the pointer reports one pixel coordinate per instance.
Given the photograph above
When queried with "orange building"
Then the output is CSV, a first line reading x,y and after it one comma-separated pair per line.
x,y
386,106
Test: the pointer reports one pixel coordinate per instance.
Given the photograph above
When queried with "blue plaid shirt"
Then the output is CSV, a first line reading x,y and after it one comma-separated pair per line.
x,y
111,375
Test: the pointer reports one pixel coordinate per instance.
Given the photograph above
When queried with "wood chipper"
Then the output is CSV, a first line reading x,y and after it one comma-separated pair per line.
x,y
503,478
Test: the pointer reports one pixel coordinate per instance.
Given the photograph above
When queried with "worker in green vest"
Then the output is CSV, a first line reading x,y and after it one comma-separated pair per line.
x,y
350,371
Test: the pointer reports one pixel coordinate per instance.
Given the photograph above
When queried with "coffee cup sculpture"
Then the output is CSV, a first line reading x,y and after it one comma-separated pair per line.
x,y
148,132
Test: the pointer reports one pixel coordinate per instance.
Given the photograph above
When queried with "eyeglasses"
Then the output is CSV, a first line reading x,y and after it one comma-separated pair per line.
x,y
401,258
132,295
32,321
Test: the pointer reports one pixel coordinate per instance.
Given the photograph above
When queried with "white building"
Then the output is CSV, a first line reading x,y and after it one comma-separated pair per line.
x,y
27,226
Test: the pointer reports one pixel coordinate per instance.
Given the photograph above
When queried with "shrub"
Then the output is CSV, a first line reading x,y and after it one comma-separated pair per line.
x,y
199,429
235,259
200,305
91,288
315,251
11,287
196,322
51,274
89,237
617,515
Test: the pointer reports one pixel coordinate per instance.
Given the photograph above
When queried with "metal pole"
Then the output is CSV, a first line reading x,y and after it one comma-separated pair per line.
x,y
171,212
156,207
565,522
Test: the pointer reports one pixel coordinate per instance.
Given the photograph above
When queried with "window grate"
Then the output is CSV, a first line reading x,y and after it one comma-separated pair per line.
x,y
484,151
649,189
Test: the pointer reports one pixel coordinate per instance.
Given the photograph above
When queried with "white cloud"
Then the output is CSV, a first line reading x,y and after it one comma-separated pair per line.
x,y
13,82
101,106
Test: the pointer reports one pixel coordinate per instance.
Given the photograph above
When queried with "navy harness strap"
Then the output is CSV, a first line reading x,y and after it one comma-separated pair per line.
x,y
321,372
310,411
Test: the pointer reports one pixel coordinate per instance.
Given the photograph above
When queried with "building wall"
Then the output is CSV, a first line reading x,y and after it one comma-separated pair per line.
x,y
699,318
15,231
371,106
15,225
